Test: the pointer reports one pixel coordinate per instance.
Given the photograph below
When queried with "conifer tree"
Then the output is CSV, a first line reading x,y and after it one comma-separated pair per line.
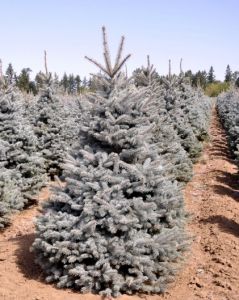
x,y
23,80
165,135
39,80
228,110
10,74
53,124
11,196
22,167
189,111
72,88
78,83
144,76
211,75
228,74
64,82
235,76
117,225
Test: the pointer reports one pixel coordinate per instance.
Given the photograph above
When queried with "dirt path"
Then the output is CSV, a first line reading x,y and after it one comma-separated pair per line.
x,y
212,269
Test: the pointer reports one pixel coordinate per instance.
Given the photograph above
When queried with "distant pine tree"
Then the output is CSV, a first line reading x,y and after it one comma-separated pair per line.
x,y
211,75
23,80
65,82
10,74
228,74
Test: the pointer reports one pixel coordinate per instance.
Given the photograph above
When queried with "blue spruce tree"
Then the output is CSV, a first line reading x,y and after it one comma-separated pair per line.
x,y
118,224
22,167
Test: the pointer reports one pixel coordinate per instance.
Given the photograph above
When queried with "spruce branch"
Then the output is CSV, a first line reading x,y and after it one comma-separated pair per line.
x,y
108,69
169,69
181,69
150,68
120,51
97,64
106,51
45,62
1,73
120,65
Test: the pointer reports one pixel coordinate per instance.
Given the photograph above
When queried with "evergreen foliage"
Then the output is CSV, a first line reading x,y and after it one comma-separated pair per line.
x,y
24,83
10,75
237,82
185,109
211,76
118,224
189,111
22,168
228,110
145,76
11,198
228,75
169,143
54,125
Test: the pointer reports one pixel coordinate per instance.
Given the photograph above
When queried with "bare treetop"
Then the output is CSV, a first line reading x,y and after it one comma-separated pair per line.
x,y
110,70
1,73
45,62
181,66
169,69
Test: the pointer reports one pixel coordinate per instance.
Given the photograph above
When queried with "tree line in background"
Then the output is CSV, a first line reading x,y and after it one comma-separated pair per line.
x,y
69,84
208,81
73,84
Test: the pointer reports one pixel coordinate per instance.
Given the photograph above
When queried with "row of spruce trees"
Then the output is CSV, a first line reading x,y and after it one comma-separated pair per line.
x,y
117,225
68,84
34,138
74,84
228,110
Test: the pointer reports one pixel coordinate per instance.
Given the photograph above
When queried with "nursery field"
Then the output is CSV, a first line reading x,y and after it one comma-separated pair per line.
x,y
128,190
211,268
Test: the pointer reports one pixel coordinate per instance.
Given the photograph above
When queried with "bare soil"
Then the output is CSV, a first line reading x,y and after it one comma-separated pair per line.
x,y
211,269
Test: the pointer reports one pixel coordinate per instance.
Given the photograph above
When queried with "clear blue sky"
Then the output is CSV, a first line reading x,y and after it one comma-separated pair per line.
x,y
203,33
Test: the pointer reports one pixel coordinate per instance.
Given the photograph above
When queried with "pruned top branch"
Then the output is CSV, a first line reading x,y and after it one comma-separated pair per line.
x,y
169,69
1,73
181,68
45,62
110,70
150,67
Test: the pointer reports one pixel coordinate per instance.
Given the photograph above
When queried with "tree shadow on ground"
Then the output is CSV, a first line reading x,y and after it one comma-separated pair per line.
x,y
25,258
226,191
231,180
26,261
219,155
225,224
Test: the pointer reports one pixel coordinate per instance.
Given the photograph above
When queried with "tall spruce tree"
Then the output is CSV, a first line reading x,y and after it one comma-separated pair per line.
x,y
72,88
117,225
23,80
211,75
10,75
228,74
78,83
64,82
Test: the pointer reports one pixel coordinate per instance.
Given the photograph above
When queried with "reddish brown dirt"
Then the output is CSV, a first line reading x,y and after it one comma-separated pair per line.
x,y
211,270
